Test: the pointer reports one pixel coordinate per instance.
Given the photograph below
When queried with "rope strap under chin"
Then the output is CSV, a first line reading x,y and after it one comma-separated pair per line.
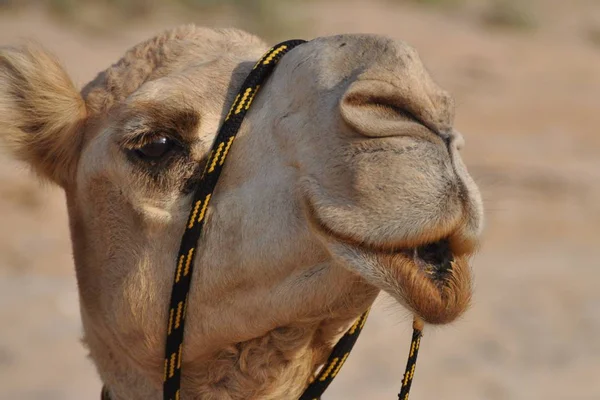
x,y
187,252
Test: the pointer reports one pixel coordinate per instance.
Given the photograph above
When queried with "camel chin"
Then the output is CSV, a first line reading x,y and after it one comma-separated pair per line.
x,y
429,275
438,293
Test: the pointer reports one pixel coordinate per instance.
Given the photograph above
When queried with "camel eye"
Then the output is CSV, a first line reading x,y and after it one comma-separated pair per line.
x,y
155,149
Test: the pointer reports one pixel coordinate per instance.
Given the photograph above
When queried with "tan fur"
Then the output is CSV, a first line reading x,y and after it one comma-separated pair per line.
x,y
41,113
347,157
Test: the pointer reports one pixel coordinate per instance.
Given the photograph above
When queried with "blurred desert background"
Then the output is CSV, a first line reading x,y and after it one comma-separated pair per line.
x,y
526,78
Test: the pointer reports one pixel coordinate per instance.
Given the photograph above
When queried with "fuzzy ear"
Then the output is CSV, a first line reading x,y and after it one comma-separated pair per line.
x,y
41,112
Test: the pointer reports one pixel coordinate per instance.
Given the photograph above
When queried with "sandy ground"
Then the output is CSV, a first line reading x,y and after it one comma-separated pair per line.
x,y
529,106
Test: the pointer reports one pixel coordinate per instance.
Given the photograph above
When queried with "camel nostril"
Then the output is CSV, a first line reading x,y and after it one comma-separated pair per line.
x,y
376,108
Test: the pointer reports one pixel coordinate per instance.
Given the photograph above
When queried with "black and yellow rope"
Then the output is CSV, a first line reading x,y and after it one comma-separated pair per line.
x,y
409,373
187,251
336,360
205,189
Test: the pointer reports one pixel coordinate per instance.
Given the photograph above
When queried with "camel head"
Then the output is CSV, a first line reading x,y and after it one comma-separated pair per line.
x,y
345,179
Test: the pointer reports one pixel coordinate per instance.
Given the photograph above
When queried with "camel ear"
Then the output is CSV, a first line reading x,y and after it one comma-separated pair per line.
x,y
41,112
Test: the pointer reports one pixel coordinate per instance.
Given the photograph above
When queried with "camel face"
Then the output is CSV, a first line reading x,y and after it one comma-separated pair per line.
x,y
344,179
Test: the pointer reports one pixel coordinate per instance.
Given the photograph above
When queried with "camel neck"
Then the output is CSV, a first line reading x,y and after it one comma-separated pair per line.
x,y
278,364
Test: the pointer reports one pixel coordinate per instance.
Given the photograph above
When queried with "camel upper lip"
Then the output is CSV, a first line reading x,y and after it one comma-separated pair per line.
x,y
434,257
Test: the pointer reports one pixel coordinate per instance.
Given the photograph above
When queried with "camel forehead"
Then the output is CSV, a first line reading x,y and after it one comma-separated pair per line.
x,y
186,46
334,57
171,53
202,68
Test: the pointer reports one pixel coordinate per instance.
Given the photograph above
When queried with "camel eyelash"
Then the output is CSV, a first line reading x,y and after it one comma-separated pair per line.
x,y
137,141
145,122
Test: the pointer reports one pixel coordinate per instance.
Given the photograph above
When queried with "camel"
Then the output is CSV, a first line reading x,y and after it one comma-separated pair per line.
x,y
344,180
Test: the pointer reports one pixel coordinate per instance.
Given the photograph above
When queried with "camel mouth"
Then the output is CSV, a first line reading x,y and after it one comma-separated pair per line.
x,y
434,259
431,278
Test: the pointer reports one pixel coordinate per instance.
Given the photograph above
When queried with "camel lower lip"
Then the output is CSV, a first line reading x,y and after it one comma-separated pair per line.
x,y
432,279
438,294
434,259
